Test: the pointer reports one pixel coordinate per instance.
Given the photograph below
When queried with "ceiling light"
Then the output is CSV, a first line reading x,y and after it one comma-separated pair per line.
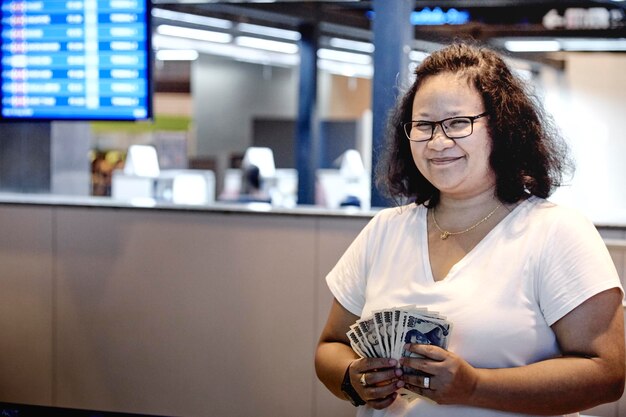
x,y
593,44
202,35
417,56
352,45
342,56
345,69
274,46
177,55
533,46
192,18
290,35
227,50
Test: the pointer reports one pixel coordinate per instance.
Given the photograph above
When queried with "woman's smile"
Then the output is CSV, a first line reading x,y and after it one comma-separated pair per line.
x,y
456,167
448,160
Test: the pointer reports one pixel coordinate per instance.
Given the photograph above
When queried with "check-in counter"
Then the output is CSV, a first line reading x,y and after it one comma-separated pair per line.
x,y
174,310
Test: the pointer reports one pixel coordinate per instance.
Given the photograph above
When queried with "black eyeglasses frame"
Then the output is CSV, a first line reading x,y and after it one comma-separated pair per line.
x,y
434,124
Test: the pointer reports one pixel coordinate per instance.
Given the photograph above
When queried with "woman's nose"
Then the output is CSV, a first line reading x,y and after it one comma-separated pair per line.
x,y
440,140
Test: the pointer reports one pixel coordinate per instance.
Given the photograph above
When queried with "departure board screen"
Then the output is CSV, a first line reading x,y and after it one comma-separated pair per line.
x,y
75,59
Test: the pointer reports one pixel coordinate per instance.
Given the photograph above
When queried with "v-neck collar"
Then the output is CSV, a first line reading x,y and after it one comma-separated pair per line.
x,y
475,251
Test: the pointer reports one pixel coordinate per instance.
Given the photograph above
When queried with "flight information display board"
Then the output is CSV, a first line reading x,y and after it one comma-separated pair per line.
x,y
75,59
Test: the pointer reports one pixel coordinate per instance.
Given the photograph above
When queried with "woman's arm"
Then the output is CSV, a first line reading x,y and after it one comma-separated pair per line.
x,y
590,372
334,355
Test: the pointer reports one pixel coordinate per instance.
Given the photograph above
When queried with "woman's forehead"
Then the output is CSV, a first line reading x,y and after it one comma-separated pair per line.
x,y
444,91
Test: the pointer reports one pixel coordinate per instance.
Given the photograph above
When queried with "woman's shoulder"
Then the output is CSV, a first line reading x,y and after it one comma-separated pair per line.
x,y
548,214
399,213
396,217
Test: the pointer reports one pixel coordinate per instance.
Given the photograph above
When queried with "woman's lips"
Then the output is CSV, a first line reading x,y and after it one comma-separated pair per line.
x,y
444,161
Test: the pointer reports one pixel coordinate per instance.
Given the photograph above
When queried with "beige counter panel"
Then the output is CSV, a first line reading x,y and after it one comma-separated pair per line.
x,y
185,314
172,312
26,304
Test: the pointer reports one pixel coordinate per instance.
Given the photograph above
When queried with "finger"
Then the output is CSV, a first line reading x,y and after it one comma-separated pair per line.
x,y
420,365
419,381
429,351
382,392
381,377
370,364
419,389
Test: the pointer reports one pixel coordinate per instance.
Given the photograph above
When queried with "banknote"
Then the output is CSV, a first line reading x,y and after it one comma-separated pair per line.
x,y
385,333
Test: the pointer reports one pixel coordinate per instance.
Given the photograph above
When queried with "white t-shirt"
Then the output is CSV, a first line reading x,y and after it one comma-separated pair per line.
x,y
534,267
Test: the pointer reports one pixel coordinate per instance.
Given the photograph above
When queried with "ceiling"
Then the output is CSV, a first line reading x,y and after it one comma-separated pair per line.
x,y
571,24
490,19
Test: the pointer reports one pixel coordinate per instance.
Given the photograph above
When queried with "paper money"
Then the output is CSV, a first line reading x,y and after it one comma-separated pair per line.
x,y
385,333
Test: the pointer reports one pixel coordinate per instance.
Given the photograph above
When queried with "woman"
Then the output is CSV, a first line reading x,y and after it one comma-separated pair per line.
x,y
529,286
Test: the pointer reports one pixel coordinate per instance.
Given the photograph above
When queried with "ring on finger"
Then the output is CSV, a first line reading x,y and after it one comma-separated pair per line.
x,y
426,383
362,380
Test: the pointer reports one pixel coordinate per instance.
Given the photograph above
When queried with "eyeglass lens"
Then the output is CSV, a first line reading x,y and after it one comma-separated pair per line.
x,y
455,128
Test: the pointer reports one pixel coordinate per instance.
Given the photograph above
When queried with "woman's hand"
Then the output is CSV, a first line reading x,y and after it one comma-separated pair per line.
x,y
442,376
376,380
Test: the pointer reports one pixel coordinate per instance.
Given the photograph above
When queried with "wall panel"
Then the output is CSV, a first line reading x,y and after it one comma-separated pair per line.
x,y
335,235
189,314
26,304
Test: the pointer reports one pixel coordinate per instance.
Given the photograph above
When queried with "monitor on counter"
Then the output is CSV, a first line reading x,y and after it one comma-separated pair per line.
x,y
75,60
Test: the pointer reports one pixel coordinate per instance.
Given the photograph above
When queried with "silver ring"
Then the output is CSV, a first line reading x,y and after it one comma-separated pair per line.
x,y
426,382
362,380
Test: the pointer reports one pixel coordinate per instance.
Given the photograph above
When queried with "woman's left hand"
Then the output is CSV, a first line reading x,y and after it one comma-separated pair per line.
x,y
443,376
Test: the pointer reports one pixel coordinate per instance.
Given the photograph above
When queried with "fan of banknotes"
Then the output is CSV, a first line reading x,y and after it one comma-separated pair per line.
x,y
385,333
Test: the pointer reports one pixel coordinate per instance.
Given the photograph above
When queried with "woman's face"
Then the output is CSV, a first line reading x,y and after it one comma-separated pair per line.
x,y
457,168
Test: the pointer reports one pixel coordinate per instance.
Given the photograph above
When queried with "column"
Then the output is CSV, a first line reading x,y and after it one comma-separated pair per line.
x,y
306,138
393,35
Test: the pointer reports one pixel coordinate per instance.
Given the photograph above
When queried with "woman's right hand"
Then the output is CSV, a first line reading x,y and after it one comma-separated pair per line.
x,y
376,380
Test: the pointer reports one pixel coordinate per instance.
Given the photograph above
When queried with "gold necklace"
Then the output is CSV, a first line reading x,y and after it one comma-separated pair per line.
x,y
445,234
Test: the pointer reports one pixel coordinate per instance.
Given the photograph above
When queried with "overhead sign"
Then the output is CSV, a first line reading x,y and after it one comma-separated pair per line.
x,y
580,18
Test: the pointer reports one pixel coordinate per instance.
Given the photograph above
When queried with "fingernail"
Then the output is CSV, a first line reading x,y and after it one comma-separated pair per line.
x,y
393,362
398,372
400,384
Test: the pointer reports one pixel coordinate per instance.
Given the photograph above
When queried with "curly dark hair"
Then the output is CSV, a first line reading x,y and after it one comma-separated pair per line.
x,y
528,157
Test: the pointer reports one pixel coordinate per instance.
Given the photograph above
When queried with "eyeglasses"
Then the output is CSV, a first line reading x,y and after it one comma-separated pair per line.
x,y
453,127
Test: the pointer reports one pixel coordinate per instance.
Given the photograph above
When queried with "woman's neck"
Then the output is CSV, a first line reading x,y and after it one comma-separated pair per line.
x,y
480,201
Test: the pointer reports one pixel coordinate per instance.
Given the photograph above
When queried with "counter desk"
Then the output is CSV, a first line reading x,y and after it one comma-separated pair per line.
x,y
174,310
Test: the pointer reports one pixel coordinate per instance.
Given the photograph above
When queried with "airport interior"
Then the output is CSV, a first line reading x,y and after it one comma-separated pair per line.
x,y
166,232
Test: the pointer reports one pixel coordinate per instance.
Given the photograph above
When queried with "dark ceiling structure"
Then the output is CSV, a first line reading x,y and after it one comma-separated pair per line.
x,y
489,19
585,25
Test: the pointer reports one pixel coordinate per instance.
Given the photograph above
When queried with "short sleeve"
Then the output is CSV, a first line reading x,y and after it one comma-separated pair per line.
x,y
574,265
347,280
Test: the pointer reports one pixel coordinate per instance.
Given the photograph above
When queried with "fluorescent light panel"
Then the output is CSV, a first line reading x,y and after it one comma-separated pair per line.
x,y
202,35
533,46
341,56
270,32
267,45
417,56
192,18
177,55
593,44
239,53
566,44
345,69
351,45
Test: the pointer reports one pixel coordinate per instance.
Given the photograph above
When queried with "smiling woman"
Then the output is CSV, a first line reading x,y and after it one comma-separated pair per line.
x,y
529,285
455,159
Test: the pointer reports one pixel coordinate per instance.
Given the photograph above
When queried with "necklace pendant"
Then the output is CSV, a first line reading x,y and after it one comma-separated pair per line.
x,y
444,235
